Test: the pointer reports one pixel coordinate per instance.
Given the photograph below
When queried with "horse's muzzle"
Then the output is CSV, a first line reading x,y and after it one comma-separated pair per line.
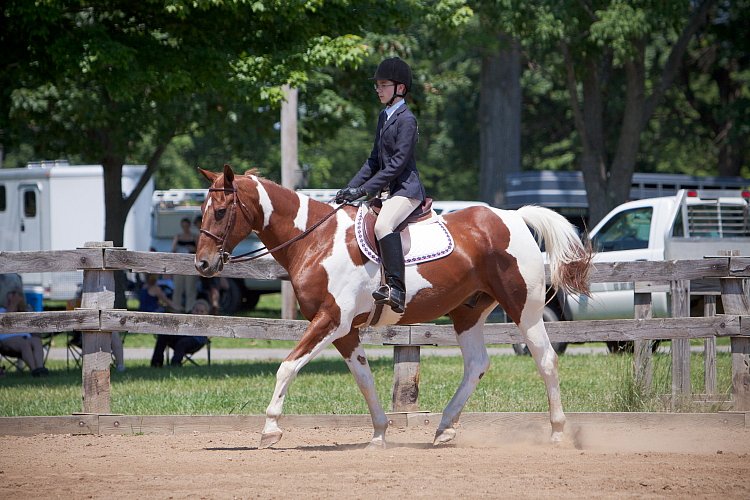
x,y
206,269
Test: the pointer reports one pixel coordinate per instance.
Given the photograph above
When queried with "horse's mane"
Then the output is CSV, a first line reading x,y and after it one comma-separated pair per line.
x,y
252,171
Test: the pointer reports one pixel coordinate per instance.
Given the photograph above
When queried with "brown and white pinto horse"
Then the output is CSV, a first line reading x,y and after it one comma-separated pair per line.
x,y
496,260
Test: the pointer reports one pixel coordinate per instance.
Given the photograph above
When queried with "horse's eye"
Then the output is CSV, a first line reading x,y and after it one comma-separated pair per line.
x,y
220,213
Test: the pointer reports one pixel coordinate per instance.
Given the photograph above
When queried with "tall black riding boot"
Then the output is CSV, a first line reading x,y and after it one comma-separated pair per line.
x,y
393,292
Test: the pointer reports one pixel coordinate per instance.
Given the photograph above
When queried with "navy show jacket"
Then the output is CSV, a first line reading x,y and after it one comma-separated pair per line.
x,y
392,165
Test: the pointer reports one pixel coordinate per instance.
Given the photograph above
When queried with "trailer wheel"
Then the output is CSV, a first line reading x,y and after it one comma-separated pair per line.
x,y
548,315
231,298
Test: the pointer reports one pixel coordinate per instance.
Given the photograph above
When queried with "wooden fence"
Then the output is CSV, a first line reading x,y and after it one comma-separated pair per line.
x,y
97,318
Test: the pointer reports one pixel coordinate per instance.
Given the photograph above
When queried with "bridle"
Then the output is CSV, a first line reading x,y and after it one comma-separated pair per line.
x,y
222,240
247,256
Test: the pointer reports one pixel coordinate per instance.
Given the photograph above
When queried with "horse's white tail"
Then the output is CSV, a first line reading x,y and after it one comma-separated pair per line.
x,y
569,259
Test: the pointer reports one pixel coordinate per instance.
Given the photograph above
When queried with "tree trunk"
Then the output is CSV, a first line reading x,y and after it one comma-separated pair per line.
x,y
629,140
594,155
116,211
499,120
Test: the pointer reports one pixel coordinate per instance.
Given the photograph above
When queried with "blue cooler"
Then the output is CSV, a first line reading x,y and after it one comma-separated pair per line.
x,y
34,298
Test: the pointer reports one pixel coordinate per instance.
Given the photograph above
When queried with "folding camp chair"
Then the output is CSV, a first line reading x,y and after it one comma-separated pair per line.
x,y
189,357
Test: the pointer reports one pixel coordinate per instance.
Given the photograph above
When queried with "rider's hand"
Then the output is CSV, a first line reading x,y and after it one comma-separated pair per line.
x,y
349,194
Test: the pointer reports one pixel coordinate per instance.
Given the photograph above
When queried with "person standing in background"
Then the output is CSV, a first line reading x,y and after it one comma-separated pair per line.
x,y
185,285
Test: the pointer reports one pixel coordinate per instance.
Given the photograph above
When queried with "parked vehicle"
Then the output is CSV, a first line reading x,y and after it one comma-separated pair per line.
x,y
689,225
57,206
565,192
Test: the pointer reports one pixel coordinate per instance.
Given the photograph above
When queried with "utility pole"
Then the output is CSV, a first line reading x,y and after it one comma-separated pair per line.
x,y
290,178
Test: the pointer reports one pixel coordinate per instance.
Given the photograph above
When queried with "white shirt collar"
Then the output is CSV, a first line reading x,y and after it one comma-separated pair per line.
x,y
392,109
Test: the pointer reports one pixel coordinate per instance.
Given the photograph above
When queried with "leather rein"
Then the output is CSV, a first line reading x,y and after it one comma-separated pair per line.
x,y
248,256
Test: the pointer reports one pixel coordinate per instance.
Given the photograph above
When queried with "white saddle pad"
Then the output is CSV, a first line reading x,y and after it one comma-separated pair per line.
x,y
422,241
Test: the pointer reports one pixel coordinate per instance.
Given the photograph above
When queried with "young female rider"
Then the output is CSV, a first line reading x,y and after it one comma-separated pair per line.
x,y
391,171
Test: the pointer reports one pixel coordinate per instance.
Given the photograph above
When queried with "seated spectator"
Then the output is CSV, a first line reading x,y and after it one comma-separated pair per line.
x,y
180,344
26,346
76,339
152,298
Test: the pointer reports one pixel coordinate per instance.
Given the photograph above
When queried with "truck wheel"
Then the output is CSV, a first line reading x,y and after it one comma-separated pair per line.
x,y
548,315
250,300
231,298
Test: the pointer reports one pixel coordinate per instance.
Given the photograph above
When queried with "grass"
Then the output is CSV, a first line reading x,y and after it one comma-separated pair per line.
x,y
589,383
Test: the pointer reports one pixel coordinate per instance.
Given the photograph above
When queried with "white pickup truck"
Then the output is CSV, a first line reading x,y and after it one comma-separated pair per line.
x,y
689,225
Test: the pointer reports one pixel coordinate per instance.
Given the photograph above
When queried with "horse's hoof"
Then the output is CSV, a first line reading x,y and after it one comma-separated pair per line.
x,y
442,436
556,438
377,444
268,439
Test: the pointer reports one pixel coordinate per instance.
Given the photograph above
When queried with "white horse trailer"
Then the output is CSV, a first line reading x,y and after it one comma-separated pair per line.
x,y
56,206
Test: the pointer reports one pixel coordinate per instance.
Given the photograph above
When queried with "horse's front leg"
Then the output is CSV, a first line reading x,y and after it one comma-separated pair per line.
x,y
354,355
320,333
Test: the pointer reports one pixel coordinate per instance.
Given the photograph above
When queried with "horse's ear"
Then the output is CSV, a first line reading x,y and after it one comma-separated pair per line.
x,y
228,175
211,176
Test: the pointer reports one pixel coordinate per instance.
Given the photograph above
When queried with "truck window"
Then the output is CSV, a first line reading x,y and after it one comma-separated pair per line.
x,y
627,230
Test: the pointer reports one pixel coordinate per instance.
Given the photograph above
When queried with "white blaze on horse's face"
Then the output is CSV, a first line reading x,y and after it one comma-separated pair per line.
x,y
264,200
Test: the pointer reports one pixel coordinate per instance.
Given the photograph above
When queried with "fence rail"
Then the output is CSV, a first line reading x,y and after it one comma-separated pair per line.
x,y
99,260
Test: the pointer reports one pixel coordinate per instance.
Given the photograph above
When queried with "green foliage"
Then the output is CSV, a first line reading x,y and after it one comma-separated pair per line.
x,y
118,80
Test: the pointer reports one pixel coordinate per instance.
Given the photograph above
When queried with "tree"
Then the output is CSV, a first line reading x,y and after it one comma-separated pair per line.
x,y
714,85
112,78
616,78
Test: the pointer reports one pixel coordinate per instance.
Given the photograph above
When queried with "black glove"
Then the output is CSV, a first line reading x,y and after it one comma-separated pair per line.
x,y
349,194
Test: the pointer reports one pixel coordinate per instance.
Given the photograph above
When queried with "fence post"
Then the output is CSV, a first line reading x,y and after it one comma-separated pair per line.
x,y
709,348
643,368
405,378
680,347
735,301
98,293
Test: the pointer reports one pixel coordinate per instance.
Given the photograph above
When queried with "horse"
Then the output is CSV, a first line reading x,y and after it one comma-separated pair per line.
x,y
496,260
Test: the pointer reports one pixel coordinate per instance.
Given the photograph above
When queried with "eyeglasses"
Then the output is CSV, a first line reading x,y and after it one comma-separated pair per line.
x,y
383,86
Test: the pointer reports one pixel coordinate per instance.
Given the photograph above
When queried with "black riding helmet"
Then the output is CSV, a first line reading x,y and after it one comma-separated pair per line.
x,y
395,70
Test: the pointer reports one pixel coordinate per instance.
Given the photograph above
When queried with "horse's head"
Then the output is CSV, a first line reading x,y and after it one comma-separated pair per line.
x,y
228,216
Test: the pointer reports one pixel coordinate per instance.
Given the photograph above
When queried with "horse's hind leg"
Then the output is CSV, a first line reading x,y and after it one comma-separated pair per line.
x,y
469,325
546,362
354,355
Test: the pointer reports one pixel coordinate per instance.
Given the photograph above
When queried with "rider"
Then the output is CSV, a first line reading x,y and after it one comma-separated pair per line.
x,y
391,172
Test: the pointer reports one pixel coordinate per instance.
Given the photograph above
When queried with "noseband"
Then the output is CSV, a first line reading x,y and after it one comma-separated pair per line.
x,y
222,240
